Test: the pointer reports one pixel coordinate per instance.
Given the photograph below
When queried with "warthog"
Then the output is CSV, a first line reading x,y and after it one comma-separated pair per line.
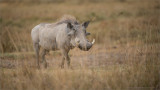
x,y
63,35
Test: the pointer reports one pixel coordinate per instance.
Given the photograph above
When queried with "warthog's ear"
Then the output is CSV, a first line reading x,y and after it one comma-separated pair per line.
x,y
85,24
69,25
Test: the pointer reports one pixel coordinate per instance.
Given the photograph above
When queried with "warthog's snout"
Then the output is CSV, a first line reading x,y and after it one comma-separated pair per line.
x,y
86,46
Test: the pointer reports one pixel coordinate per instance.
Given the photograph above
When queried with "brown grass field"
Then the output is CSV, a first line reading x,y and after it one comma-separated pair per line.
x,y
126,55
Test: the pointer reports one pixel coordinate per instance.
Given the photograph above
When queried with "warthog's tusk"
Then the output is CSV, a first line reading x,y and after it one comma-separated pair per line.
x,y
93,41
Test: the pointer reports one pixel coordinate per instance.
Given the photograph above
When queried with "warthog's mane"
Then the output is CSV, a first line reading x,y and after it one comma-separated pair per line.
x,y
67,19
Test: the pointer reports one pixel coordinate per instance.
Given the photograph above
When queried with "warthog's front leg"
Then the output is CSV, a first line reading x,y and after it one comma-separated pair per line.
x,y
65,57
62,63
44,51
68,60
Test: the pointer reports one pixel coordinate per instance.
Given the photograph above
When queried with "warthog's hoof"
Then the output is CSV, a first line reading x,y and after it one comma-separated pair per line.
x,y
38,66
46,65
62,66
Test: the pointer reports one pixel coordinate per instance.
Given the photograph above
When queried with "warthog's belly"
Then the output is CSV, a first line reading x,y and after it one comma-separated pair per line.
x,y
48,44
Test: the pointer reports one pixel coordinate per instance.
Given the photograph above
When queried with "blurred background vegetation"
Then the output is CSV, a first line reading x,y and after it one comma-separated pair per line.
x,y
114,22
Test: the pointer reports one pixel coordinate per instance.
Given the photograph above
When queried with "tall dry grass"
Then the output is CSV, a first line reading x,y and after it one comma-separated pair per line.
x,y
137,70
126,54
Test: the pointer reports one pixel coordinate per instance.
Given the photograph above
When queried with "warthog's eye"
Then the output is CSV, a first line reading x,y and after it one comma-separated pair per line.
x,y
74,29
76,23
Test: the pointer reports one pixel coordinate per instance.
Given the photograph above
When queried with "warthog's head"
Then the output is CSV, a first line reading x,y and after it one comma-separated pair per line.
x,y
78,34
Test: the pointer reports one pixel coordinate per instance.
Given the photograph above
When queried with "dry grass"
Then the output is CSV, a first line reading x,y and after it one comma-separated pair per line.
x,y
131,69
126,54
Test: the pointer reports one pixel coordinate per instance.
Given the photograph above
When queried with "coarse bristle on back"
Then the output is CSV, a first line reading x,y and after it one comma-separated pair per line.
x,y
68,19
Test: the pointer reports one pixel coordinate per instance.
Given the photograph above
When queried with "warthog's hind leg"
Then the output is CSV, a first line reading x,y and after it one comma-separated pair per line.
x,y
36,49
44,51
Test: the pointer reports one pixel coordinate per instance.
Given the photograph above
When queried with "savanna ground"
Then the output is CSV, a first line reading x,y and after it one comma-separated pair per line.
x,y
126,55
